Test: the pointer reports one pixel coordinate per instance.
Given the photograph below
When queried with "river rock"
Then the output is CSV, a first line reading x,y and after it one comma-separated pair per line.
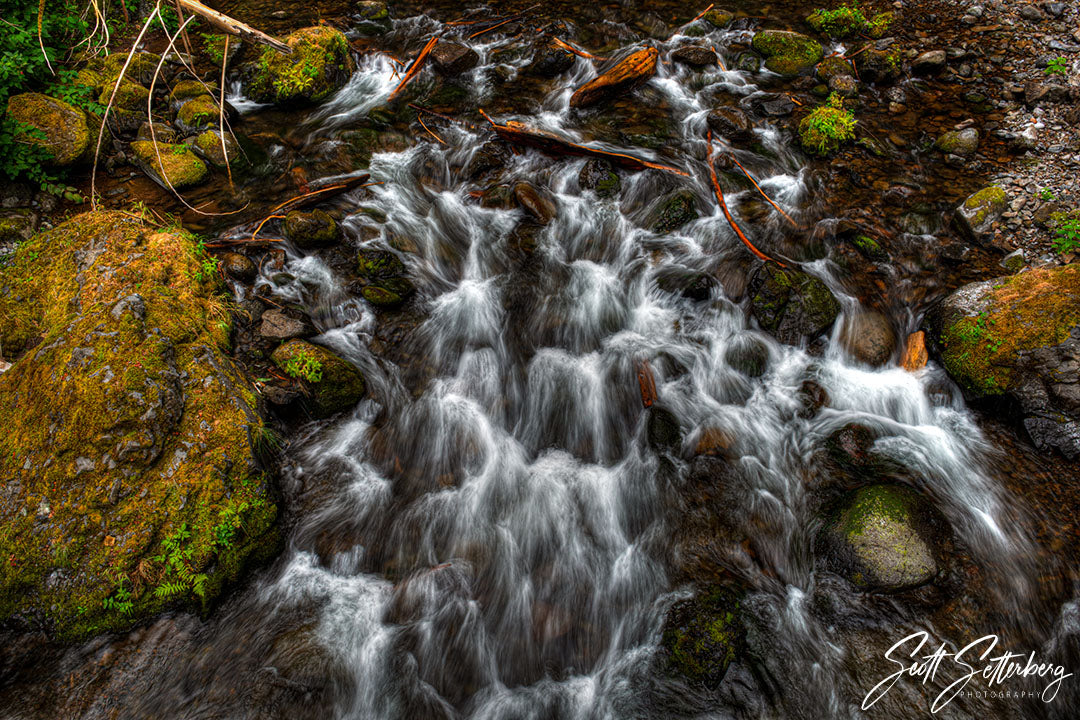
x,y
788,53
384,279
695,56
319,64
833,66
876,65
844,86
17,225
188,89
160,132
869,337
731,123
175,163
374,17
551,60
963,143
702,635
976,216
881,538
791,305
128,426
600,177
140,68
197,114
452,59
663,430
537,204
748,355
65,134
278,326
929,63
674,211
210,148
333,384
1017,338
309,230
691,284
239,267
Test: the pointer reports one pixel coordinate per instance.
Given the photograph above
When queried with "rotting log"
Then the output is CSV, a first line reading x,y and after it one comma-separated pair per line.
x,y
623,77
552,144
233,27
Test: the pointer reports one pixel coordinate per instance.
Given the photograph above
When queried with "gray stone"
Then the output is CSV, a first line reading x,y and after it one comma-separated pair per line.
x,y
276,325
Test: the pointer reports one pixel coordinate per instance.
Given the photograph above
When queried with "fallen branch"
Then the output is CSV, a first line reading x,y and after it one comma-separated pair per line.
x,y
493,27
416,65
767,198
701,14
233,27
552,144
727,213
633,70
319,195
420,118
646,383
580,53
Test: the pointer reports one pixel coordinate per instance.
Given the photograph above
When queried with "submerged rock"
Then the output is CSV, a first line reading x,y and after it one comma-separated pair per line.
x,y
332,383
308,230
537,204
792,305
384,279
600,177
881,539
319,64
676,210
963,143
732,124
702,635
695,56
551,60
788,53
175,163
452,59
1018,338
62,127
130,468
869,337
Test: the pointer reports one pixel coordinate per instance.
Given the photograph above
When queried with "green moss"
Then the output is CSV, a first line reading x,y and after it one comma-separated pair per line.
x,y
676,211
718,18
384,276
177,163
130,95
63,128
870,248
125,423
1035,309
197,113
319,64
209,143
339,384
844,21
187,89
311,229
702,636
827,127
140,70
834,66
880,24
787,53
878,528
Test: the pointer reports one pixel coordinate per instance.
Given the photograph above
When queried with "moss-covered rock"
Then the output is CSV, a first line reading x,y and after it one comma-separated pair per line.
x,y
959,142
374,17
129,463
827,127
1018,337
197,114
718,18
62,128
312,229
600,177
140,70
792,305
319,64
703,635
841,22
209,146
882,538
879,65
834,66
788,53
188,89
674,211
384,279
130,96
332,384
176,163
976,215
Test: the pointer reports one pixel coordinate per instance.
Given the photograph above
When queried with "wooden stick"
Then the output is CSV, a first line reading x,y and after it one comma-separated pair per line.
x,y
415,67
646,383
233,27
317,195
580,53
701,14
265,220
727,213
487,30
423,125
769,199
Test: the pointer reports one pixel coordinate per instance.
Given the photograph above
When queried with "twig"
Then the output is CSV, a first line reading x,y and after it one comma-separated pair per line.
x,y
423,125
701,14
416,65
234,27
727,213
265,220
493,27
221,115
769,199
183,33
580,53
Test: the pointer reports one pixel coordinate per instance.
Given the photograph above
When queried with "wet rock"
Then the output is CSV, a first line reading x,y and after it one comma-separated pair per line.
x,y
161,132
732,124
787,53
1017,339
748,355
374,17
278,326
498,197
844,85
65,133
452,59
833,66
694,55
132,386
176,164
963,143
791,305
332,383
538,205
719,18
188,89
876,65
384,278
16,226
551,60
489,156
881,538
663,431
778,106
1036,93
675,211
693,285
812,397
600,177
1032,14
929,63
702,635
197,114
714,442
239,267
976,216
869,337
210,147
308,230
319,64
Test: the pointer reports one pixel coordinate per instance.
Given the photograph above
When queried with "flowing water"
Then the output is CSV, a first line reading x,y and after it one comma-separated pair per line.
x,y
491,533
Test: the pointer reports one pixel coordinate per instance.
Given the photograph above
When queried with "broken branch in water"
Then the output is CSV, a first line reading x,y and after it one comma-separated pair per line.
x,y
630,72
701,14
646,383
727,213
767,198
552,144
416,65
420,118
316,196
233,27
580,53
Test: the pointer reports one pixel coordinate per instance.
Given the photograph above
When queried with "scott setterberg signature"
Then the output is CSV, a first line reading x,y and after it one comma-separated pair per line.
x,y
971,660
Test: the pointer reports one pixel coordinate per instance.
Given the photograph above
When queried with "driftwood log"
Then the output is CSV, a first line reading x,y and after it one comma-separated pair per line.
x,y
233,27
550,143
623,77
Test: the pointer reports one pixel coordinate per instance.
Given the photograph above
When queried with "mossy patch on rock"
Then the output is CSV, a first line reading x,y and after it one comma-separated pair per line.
x,y
792,305
140,70
827,127
332,384
209,147
675,211
177,163
131,479
703,635
319,64
130,96
787,53
841,22
959,142
187,89
197,114
63,127
311,229
977,214
384,278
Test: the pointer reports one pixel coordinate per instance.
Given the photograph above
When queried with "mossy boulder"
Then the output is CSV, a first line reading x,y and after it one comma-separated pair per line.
x,y
841,22
718,18
959,142
209,147
674,211
131,479
309,230
879,65
331,383
197,114
703,635
374,17
384,278
188,89
834,66
882,537
1017,339
788,53
175,163
130,96
61,128
319,64
791,305
140,70
977,214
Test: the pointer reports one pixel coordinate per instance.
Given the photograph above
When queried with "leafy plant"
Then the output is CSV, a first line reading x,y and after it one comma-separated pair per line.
x,y
1046,194
1057,66
209,266
179,577
827,127
1067,234
844,21
120,601
304,366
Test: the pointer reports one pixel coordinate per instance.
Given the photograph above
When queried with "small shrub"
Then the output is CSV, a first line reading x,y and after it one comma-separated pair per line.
x,y
1067,234
1057,66
827,127
304,366
844,21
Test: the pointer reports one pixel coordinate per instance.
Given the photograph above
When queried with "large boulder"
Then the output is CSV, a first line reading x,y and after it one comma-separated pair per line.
x,y
129,463
319,64
1018,339
169,164
788,53
791,305
61,128
882,537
